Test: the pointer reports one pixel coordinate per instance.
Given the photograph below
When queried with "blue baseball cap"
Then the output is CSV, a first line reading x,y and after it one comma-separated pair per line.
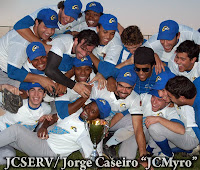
x,y
49,17
35,49
72,8
31,85
94,6
161,81
85,61
127,75
168,30
104,107
108,22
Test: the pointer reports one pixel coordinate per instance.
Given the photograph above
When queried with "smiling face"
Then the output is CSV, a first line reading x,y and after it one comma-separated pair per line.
x,y
81,49
163,93
90,111
141,73
105,36
168,45
39,62
42,31
123,90
184,62
64,19
36,95
92,18
82,73
157,103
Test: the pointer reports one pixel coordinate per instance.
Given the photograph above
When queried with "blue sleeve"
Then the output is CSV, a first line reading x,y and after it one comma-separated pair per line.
x,y
16,73
25,22
178,121
125,112
106,69
62,108
197,132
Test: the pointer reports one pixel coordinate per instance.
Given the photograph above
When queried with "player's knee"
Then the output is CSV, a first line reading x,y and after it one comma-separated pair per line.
x,y
155,129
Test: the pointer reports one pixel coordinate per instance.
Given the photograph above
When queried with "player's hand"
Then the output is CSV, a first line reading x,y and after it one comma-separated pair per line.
x,y
159,64
82,89
130,61
47,83
151,120
60,89
11,88
101,81
42,133
46,117
111,84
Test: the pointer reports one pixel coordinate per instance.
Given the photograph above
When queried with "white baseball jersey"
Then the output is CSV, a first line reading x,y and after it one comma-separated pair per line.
x,y
62,44
9,43
187,116
26,116
167,112
192,74
186,33
111,51
132,102
62,28
70,135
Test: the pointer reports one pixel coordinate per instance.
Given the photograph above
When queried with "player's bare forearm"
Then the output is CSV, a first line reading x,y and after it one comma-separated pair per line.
x,y
139,134
95,60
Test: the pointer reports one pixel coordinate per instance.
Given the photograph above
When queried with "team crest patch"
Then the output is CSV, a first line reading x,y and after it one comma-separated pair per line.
x,y
75,7
53,17
158,78
74,128
112,20
165,28
92,4
35,47
127,74
160,114
193,78
123,105
69,27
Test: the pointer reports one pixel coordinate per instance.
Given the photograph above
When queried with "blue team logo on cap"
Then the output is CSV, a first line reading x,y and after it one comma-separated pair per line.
x,y
35,47
53,17
112,20
165,28
127,74
75,7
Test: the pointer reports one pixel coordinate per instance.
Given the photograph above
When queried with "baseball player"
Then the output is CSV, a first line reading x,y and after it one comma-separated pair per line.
x,y
122,99
183,92
82,73
106,55
12,61
185,61
28,115
169,37
68,12
67,136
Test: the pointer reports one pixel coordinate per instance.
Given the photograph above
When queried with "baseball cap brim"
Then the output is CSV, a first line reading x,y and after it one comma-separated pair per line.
x,y
37,54
154,93
164,36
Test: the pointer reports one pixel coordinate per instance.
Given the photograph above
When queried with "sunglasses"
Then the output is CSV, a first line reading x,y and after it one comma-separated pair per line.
x,y
143,69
